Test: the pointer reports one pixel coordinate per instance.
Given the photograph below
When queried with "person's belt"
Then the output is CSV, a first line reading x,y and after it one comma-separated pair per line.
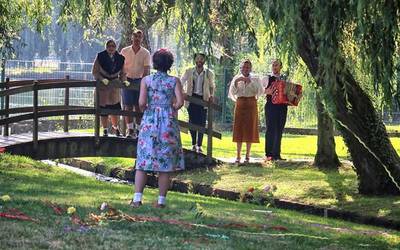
x,y
246,97
134,80
197,96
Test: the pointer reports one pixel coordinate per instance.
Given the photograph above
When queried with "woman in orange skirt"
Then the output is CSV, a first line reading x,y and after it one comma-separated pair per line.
x,y
244,90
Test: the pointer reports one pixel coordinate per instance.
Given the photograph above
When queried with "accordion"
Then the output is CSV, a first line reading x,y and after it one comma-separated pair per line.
x,y
286,93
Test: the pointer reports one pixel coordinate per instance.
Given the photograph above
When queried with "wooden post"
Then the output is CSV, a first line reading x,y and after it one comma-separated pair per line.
x,y
66,103
6,107
97,116
209,129
35,126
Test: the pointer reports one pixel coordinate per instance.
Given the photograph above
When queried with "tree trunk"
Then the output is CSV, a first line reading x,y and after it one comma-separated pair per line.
x,y
227,63
326,156
127,27
374,158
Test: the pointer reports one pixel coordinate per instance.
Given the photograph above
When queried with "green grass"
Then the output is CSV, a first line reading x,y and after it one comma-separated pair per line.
x,y
299,181
393,127
293,147
31,183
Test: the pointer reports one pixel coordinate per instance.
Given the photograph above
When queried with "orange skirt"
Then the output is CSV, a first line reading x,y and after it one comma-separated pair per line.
x,y
245,123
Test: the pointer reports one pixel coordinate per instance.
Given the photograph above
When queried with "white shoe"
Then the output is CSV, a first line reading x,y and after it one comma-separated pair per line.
x,y
199,150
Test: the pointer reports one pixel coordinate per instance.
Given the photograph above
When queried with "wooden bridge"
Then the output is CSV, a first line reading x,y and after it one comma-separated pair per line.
x,y
65,144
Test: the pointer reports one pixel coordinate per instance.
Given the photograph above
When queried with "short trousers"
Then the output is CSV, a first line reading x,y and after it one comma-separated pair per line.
x,y
130,97
116,106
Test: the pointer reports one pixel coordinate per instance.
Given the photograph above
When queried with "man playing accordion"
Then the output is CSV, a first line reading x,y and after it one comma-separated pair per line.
x,y
275,115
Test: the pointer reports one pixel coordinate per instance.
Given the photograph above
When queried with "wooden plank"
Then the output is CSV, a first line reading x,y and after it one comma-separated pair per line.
x,y
11,140
17,90
41,108
49,113
12,84
198,129
203,103
120,112
24,136
62,85
74,134
209,130
61,112
6,108
184,130
15,119
91,111
97,117
35,126
66,103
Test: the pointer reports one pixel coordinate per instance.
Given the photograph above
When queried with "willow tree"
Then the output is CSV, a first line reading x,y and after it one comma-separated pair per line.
x,y
318,32
15,15
132,14
233,26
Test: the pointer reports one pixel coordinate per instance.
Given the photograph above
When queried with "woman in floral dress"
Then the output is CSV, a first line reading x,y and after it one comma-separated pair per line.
x,y
159,146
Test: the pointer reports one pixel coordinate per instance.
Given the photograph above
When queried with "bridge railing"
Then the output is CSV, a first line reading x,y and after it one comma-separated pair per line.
x,y
35,112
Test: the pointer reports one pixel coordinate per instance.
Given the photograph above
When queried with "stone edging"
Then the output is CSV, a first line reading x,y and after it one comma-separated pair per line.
x,y
208,190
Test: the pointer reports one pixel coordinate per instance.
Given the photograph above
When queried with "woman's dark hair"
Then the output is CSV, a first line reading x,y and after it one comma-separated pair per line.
x,y
111,41
163,60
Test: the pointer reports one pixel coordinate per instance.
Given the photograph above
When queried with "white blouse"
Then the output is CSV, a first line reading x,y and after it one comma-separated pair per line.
x,y
254,88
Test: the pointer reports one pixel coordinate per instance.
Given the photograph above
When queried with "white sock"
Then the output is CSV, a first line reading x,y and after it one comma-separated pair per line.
x,y
130,125
137,197
115,127
161,200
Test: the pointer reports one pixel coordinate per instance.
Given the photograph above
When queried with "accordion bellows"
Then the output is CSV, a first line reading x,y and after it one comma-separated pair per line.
x,y
286,93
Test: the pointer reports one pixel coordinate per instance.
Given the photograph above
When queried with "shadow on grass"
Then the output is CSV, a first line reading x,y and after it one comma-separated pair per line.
x,y
30,187
288,164
207,176
344,191
336,182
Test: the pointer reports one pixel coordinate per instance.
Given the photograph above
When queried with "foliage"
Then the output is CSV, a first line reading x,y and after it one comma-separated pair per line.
x,y
206,24
258,196
370,26
16,14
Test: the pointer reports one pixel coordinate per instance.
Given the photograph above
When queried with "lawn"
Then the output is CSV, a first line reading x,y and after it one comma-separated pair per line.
x,y
296,180
293,147
189,222
300,181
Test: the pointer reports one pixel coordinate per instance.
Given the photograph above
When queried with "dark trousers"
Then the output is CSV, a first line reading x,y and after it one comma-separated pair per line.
x,y
197,116
275,123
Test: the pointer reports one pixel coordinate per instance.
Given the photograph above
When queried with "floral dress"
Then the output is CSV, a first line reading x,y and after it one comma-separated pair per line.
x,y
159,145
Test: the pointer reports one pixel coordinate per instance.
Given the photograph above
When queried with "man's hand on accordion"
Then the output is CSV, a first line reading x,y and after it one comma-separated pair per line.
x,y
268,91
